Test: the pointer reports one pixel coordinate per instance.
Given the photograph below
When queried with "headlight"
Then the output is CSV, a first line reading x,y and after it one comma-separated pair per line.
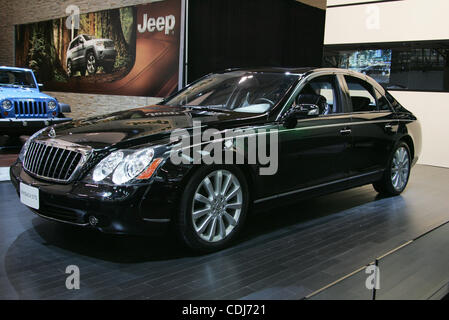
x,y
123,166
6,105
27,144
107,166
52,105
132,166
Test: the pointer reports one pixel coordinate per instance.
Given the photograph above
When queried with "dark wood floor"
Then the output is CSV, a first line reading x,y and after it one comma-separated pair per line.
x,y
416,271
285,254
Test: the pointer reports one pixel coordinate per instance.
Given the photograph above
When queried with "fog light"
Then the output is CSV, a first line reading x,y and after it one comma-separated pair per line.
x,y
93,221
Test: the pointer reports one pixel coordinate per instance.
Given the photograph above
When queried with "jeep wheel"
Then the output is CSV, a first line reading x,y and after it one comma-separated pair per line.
x,y
91,63
69,69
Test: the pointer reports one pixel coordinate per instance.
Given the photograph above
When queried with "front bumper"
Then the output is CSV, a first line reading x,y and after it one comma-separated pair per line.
x,y
119,210
106,55
27,126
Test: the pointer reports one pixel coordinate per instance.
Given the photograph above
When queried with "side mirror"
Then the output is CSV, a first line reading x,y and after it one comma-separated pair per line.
x,y
307,110
307,105
302,111
40,86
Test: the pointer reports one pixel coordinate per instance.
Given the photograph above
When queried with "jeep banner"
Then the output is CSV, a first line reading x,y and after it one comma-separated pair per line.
x,y
131,51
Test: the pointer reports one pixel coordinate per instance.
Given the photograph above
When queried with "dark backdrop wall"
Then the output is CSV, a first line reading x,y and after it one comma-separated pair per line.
x,y
234,33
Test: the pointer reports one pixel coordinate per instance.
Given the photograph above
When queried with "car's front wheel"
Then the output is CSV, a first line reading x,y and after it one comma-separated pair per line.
x,y
397,173
213,208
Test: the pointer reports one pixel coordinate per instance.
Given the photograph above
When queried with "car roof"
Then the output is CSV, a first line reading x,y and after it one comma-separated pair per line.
x,y
272,70
15,68
310,70
298,71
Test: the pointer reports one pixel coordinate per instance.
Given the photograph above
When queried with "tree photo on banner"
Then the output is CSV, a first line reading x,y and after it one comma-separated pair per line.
x,y
125,51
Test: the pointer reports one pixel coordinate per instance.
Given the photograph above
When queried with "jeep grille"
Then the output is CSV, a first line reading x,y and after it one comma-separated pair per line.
x,y
30,108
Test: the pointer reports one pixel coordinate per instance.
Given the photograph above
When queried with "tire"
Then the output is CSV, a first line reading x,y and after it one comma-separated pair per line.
x,y
213,227
91,63
69,69
108,67
393,184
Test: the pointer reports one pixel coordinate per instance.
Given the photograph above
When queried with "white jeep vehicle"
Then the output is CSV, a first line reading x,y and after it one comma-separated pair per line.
x,y
87,53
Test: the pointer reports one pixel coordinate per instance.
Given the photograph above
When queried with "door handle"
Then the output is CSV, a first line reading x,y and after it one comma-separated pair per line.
x,y
388,126
345,131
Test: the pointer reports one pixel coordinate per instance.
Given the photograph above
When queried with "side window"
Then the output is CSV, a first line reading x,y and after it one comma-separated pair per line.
x,y
324,87
362,95
74,43
382,102
393,102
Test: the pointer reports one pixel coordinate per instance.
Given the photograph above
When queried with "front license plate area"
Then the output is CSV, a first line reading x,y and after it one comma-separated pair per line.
x,y
29,196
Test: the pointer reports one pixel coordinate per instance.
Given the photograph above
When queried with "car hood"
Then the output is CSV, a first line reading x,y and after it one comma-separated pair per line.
x,y
19,93
145,125
95,40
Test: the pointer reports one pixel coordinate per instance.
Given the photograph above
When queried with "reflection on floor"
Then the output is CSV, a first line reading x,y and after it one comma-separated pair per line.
x,y
284,254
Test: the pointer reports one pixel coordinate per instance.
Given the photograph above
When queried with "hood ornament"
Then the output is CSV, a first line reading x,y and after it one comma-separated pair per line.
x,y
52,133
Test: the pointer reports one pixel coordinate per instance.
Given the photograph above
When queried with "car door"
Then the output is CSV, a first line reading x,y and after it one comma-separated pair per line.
x,y
312,152
373,127
78,52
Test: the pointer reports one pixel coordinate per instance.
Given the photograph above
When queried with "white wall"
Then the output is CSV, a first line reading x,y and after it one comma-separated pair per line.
x,y
432,110
407,20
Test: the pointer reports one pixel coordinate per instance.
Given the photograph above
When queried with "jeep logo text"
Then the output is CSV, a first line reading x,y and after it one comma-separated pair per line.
x,y
160,24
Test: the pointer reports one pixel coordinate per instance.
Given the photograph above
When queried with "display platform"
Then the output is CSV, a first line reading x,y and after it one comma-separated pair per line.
x,y
287,253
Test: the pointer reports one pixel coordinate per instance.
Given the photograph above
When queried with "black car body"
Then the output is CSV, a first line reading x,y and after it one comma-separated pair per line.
x,y
353,141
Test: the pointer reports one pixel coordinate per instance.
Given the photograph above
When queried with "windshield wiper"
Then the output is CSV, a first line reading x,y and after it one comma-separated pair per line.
x,y
207,107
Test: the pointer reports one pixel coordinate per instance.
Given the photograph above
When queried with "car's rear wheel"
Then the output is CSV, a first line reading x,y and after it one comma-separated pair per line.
x,y
397,174
69,68
91,63
213,208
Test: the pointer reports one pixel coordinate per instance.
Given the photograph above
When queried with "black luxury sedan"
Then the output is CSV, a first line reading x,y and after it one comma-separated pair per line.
x,y
143,170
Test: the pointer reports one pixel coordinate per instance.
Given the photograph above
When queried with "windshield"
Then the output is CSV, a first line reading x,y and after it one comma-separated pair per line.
x,y
237,91
16,78
88,38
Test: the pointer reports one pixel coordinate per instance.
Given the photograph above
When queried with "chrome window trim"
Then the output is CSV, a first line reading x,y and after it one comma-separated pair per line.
x,y
329,72
299,87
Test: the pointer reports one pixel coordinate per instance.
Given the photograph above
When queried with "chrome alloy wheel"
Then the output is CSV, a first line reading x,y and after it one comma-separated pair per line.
x,y
69,68
91,64
400,168
217,206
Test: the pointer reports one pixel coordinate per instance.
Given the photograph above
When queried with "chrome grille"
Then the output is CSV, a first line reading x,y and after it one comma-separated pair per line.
x,y
109,44
24,108
51,162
